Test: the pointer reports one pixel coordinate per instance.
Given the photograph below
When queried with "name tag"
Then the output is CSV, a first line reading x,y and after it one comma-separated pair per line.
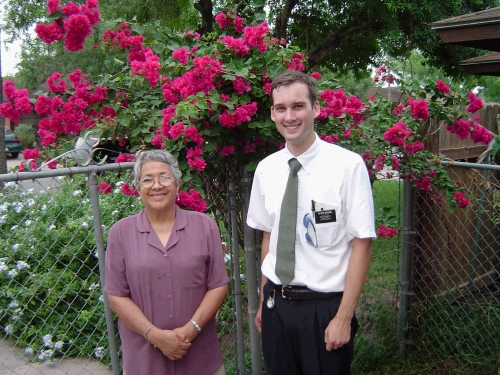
x,y
325,216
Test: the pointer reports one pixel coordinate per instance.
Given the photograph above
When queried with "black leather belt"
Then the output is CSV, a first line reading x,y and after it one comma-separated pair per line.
x,y
303,293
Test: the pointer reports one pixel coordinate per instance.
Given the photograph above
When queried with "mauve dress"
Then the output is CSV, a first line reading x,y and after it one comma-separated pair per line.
x,y
168,284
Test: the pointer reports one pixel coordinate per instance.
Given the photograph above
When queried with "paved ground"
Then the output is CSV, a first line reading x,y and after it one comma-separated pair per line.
x,y
13,361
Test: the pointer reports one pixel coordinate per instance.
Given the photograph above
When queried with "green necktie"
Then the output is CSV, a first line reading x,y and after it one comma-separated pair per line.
x,y
285,251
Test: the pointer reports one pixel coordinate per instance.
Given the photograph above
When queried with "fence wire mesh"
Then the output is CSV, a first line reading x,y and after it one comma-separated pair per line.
x,y
455,309
51,305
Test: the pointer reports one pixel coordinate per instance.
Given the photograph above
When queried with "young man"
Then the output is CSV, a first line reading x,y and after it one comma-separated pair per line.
x,y
307,322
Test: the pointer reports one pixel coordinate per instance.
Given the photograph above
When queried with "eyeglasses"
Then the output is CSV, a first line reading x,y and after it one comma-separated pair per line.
x,y
148,182
306,221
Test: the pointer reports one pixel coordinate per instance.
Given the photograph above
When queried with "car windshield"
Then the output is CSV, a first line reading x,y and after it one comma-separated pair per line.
x,y
8,131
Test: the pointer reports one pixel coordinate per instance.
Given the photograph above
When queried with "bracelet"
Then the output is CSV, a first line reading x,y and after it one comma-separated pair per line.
x,y
196,325
146,333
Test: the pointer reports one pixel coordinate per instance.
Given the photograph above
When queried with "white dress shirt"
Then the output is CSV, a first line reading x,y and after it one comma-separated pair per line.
x,y
334,179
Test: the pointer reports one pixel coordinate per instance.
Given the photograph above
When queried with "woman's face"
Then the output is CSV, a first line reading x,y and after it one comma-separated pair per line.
x,y
163,193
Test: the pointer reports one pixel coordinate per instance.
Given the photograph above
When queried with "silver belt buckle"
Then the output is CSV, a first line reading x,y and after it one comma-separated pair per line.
x,y
283,292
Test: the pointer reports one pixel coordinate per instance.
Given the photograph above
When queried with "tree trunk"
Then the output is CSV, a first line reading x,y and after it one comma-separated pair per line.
x,y
3,155
282,19
205,9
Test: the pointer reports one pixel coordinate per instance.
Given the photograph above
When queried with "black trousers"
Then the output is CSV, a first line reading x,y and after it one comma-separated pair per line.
x,y
293,337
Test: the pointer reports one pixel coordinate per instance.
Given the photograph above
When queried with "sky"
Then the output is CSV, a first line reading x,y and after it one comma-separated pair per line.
x,y
9,58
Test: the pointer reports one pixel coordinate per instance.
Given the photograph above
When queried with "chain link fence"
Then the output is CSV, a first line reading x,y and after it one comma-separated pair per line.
x,y
444,320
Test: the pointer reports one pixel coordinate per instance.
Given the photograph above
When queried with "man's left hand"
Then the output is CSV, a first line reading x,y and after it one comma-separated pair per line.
x,y
337,334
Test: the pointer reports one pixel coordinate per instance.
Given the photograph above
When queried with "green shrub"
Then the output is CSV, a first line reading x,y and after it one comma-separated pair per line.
x,y
26,134
50,293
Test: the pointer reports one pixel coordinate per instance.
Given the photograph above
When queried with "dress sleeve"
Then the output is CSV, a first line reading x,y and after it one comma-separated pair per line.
x,y
115,282
216,272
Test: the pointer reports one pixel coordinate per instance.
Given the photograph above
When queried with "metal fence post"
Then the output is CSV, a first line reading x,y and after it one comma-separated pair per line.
x,y
251,270
238,294
94,197
408,231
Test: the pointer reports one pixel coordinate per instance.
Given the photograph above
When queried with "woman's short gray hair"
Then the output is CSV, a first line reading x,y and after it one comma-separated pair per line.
x,y
155,155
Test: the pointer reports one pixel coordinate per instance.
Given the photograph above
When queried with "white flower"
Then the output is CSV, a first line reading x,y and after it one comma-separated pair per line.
x,y
77,193
12,273
29,350
3,219
30,202
58,345
27,223
85,224
9,329
44,208
101,298
21,264
94,286
51,226
3,266
99,352
4,206
85,201
10,184
227,258
115,212
47,341
16,246
14,228
45,354
13,304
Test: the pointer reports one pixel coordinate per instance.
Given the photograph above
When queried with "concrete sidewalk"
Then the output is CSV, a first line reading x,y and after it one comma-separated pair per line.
x,y
14,361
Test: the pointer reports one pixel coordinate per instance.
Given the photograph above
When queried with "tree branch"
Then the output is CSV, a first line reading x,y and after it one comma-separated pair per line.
x,y
282,19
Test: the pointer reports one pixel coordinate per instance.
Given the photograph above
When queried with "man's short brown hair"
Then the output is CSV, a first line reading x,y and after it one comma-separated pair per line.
x,y
288,77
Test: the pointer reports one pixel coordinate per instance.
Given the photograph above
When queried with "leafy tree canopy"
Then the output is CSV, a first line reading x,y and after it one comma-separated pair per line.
x,y
336,35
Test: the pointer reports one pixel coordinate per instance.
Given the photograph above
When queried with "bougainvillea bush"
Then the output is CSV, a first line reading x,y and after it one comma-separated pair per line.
x,y
205,98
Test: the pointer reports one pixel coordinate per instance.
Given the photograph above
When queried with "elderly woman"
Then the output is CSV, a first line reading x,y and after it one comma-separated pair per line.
x,y
166,278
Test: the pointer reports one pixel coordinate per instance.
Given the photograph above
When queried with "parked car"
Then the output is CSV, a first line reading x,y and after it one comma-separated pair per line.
x,y
12,143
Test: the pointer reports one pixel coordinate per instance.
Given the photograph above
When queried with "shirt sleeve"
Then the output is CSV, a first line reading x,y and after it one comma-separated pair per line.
x,y
217,272
360,221
258,217
115,282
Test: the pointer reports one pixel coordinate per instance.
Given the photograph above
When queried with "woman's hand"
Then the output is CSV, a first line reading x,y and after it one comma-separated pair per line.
x,y
169,342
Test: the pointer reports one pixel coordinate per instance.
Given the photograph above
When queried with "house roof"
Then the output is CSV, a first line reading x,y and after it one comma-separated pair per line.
x,y
479,30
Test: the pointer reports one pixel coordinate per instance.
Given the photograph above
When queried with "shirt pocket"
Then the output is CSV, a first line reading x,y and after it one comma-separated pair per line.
x,y
327,234
193,271
326,223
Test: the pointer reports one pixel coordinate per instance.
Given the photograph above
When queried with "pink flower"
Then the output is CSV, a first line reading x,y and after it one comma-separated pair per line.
x,y
53,6
395,162
105,188
181,54
442,87
296,62
237,45
475,103
412,148
7,110
197,163
223,20
49,33
461,199
77,28
227,150
129,190
379,162
397,134
241,86
460,127
254,36
238,24
56,84
384,231
419,109
123,158
176,130
480,134
316,75
192,200
31,153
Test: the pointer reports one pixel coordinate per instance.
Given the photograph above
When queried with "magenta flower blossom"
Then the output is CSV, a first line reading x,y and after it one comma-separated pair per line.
x,y
475,103
227,150
49,33
419,109
241,86
104,188
397,134
192,200
384,231
480,134
236,45
460,127
461,199
181,54
412,148
77,28
53,6
316,75
442,87
223,20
